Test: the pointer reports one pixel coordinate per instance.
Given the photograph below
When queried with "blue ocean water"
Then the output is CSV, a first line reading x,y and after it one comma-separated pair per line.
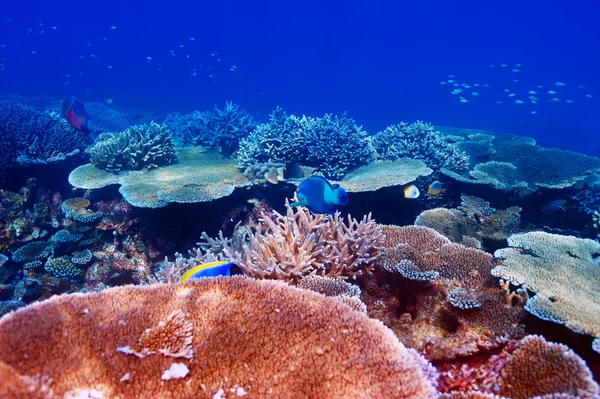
x,y
381,61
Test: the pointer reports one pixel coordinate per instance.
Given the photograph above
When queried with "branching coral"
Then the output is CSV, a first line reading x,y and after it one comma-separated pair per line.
x,y
331,144
300,243
255,339
420,141
222,129
563,273
137,148
30,136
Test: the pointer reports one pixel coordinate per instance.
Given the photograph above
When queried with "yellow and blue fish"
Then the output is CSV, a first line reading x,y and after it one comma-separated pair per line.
x,y
211,269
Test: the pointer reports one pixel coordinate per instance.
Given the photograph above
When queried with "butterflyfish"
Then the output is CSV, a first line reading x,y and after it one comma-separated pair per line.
x,y
435,188
411,191
211,269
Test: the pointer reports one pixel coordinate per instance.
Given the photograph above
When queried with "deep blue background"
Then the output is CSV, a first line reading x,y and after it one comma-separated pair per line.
x,y
382,61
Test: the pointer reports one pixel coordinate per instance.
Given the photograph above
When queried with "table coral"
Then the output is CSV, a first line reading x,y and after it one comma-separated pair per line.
x,y
537,368
196,177
563,273
216,337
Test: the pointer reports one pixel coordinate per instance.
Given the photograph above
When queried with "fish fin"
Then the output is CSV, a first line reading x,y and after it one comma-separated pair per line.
x,y
335,186
302,202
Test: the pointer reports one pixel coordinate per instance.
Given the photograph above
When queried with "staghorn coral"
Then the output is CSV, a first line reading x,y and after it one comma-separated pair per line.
x,y
275,341
563,273
300,243
420,141
220,129
455,310
474,219
137,148
333,145
30,136
196,177
538,368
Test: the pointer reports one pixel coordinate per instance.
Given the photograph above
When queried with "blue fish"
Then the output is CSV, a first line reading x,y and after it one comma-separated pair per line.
x,y
211,269
554,205
320,196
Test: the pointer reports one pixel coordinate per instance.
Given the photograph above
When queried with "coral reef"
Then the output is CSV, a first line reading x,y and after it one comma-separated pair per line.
x,y
127,341
563,273
299,243
333,145
30,136
137,148
335,288
439,297
219,129
472,222
196,177
106,119
516,164
419,141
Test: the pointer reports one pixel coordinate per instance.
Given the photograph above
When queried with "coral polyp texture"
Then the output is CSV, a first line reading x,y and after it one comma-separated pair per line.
x,y
137,148
562,271
538,368
219,129
196,177
453,307
420,141
173,340
333,145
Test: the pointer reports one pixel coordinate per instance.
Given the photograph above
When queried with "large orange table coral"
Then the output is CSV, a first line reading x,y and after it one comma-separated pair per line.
x,y
214,338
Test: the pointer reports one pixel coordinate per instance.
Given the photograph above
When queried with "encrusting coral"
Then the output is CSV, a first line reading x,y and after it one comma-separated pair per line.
x,y
563,273
137,148
218,337
300,243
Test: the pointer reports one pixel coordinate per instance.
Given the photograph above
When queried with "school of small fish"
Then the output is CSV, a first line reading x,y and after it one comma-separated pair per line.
x,y
517,94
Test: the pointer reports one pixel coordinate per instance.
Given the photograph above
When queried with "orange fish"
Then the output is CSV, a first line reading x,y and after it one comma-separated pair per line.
x,y
75,112
435,188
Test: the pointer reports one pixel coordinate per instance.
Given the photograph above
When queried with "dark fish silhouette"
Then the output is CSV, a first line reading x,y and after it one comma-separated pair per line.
x,y
554,205
75,112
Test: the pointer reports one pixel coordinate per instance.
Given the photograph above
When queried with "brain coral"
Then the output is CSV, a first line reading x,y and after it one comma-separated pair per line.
x,y
196,177
562,271
212,338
